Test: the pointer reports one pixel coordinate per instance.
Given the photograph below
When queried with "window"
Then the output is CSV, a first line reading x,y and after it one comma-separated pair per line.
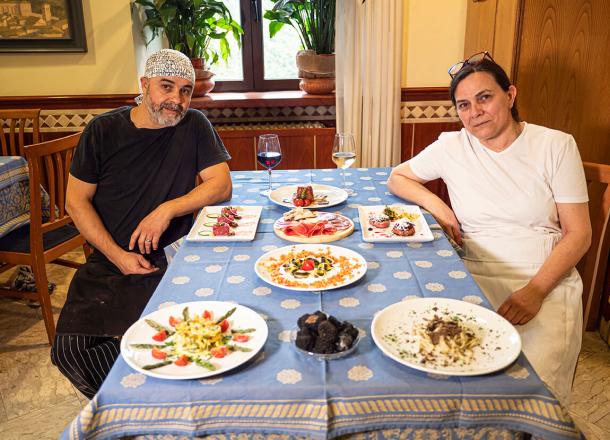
x,y
262,63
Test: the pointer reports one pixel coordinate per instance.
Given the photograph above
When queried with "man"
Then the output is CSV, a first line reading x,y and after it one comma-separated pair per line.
x,y
131,192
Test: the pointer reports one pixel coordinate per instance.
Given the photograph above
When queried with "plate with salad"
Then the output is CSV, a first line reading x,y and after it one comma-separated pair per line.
x,y
194,340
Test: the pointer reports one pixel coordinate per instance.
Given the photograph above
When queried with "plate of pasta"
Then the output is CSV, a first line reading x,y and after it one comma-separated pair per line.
x,y
446,336
194,340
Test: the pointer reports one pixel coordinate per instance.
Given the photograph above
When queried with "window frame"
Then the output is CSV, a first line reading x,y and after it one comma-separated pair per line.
x,y
253,61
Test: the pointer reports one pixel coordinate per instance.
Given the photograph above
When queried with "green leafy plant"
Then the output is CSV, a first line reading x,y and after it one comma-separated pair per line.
x,y
191,25
314,21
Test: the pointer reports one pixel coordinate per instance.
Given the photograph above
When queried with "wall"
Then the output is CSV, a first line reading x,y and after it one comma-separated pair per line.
x,y
434,40
108,67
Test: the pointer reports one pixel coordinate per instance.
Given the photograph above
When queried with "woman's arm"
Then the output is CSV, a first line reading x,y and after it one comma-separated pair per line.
x,y
405,184
523,304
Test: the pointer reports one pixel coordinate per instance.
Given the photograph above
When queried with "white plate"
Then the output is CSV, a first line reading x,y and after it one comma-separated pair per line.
x,y
356,270
377,235
283,195
500,341
141,333
245,230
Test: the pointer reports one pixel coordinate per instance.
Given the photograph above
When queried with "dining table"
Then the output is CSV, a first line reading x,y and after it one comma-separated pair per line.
x,y
14,193
281,393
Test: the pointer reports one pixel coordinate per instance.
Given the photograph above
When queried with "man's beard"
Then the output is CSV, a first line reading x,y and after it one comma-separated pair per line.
x,y
156,112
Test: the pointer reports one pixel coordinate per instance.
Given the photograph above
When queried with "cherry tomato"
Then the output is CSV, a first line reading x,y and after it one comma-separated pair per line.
x,y
158,354
224,325
308,265
160,336
182,361
207,314
219,352
240,337
298,202
306,202
174,321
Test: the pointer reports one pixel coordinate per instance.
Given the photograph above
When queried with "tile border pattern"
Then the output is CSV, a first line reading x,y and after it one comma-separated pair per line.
x,y
73,120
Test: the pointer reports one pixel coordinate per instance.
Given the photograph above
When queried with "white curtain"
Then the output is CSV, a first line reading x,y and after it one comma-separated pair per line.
x,y
368,48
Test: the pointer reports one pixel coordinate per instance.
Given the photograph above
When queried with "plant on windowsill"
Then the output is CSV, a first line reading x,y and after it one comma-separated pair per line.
x,y
190,26
314,21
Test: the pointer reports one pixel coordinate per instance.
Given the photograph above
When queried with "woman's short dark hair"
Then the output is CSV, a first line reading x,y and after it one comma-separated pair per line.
x,y
494,70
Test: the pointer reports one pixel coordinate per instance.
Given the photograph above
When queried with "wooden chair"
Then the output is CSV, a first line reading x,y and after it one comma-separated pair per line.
x,y
14,141
592,267
44,242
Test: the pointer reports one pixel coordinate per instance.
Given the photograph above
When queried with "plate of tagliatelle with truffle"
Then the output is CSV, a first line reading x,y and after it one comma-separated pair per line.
x,y
310,267
393,223
446,336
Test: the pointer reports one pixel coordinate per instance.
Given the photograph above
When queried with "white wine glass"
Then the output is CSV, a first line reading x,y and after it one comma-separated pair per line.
x,y
268,155
344,155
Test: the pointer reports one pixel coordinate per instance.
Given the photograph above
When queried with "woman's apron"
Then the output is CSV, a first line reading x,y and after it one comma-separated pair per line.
x,y
552,339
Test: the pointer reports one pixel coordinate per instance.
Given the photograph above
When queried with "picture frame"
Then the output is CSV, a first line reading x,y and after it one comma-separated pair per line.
x,y
42,26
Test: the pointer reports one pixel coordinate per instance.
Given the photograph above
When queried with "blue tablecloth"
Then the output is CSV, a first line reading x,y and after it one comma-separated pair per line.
x,y
14,193
280,392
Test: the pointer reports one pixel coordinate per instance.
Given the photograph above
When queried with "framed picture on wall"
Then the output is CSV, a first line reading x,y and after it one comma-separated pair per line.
x,y
42,26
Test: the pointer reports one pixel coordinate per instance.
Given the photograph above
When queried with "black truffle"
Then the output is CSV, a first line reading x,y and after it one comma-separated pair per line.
x,y
305,340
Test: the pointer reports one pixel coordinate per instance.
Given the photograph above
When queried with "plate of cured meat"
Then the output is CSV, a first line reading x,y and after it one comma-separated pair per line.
x,y
394,223
308,196
226,223
302,225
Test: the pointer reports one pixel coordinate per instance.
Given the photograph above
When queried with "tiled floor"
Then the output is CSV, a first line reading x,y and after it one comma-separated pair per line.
x,y
37,402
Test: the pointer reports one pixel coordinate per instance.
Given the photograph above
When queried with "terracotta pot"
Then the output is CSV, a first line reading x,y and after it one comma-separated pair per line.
x,y
204,82
317,86
198,63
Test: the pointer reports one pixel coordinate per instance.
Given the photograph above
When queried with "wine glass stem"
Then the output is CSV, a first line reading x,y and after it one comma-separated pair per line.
x,y
269,170
344,182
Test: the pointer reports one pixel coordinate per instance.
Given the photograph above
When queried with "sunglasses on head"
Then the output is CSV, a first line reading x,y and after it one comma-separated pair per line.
x,y
473,60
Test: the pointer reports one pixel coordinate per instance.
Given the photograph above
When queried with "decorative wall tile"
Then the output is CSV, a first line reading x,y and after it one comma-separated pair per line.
x,y
427,111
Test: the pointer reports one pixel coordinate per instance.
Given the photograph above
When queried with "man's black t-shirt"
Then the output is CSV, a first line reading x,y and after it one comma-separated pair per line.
x,y
137,169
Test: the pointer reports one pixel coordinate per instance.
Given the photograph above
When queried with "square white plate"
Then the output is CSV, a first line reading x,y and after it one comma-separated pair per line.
x,y
377,235
245,231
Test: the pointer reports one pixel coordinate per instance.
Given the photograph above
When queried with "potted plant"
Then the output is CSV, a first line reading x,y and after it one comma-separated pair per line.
x,y
190,26
314,21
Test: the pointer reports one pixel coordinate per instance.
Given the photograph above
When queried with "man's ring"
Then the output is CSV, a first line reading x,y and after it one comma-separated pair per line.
x,y
147,241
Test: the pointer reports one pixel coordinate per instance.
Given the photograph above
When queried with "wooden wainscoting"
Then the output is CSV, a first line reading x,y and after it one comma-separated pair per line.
x,y
301,147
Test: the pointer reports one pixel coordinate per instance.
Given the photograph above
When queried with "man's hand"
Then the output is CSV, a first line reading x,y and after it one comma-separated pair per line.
x,y
522,305
149,231
131,263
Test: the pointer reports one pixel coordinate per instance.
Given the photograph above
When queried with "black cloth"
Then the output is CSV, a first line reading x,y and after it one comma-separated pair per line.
x,y
135,171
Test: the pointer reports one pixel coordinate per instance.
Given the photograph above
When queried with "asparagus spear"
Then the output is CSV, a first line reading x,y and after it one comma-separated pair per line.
x,y
159,327
233,347
157,365
149,346
204,364
185,314
225,316
243,330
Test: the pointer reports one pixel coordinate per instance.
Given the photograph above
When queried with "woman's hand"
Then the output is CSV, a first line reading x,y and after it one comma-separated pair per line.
x,y
149,231
446,218
522,305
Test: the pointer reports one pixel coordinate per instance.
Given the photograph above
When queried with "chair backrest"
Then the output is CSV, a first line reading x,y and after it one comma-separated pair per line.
x,y
13,126
593,266
49,167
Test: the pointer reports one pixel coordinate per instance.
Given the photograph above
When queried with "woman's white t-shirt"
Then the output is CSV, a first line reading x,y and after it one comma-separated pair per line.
x,y
511,193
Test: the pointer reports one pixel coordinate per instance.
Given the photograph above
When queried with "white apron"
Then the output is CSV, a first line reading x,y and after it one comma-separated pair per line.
x,y
552,339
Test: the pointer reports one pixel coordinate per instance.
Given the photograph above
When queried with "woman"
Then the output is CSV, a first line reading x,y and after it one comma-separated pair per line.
x,y
519,200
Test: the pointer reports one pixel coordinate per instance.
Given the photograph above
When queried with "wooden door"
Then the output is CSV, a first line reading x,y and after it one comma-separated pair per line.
x,y
562,71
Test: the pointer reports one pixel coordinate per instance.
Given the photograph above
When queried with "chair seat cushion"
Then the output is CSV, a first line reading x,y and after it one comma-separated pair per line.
x,y
19,239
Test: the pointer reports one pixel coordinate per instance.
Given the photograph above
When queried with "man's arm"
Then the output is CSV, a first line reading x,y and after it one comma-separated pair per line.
x,y
405,184
79,205
522,305
216,187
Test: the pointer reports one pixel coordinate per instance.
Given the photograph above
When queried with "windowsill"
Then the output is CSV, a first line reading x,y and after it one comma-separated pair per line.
x,y
261,99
